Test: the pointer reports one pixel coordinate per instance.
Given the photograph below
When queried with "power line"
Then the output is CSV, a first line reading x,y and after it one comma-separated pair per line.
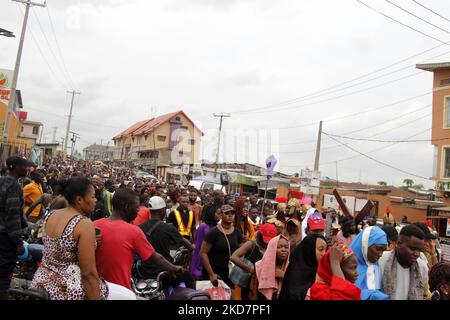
x,y
354,114
50,47
387,141
374,135
416,16
417,2
378,161
403,24
378,124
41,53
362,112
333,98
76,120
371,151
58,47
381,148
359,77
391,120
327,92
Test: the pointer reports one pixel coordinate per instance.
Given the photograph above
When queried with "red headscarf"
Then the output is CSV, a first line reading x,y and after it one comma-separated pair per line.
x,y
388,210
324,270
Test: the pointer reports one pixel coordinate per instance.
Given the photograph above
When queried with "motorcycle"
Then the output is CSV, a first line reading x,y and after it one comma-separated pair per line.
x,y
159,289
26,266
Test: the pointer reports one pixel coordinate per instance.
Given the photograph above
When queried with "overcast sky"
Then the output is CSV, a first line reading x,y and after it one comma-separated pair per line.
x,y
239,56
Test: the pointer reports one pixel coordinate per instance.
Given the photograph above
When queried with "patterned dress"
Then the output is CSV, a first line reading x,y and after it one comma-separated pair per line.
x,y
60,274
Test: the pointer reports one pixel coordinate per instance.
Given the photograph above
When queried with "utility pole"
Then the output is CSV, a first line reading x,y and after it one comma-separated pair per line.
x,y
66,140
12,96
75,136
221,116
319,140
337,177
54,134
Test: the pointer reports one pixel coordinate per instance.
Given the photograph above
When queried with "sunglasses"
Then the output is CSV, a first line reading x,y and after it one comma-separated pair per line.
x,y
229,213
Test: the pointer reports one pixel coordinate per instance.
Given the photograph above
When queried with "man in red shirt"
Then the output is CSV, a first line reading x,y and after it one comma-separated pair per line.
x,y
120,241
143,214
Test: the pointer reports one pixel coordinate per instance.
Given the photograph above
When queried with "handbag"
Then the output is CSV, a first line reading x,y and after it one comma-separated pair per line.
x,y
240,276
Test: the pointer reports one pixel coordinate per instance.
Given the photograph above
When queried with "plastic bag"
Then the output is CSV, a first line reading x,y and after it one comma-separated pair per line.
x,y
221,292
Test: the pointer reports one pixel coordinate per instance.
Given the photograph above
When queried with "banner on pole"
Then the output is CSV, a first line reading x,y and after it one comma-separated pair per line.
x,y
271,162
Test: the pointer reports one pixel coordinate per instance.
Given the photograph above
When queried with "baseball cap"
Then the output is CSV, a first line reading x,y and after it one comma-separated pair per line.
x,y
316,222
156,203
15,161
227,208
268,232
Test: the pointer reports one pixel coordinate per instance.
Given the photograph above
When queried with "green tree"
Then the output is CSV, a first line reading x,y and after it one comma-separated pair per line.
x,y
408,183
418,186
382,183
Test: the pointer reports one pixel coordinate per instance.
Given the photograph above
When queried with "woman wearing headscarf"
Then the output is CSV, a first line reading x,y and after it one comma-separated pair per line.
x,y
368,247
211,217
242,221
301,272
267,282
336,274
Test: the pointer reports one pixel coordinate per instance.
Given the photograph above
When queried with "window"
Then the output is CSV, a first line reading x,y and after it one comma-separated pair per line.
x,y
162,138
446,154
435,161
35,130
146,136
191,141
445,81
177,119
447,113
184,127
154,154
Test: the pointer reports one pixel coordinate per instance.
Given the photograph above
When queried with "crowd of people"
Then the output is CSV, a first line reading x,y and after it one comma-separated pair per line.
x,y
97,220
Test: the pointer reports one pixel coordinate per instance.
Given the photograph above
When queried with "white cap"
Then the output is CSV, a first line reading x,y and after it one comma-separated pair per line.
x,y
156,203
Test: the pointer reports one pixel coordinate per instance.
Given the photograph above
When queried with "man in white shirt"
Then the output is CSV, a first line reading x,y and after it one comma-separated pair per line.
x,y
403,274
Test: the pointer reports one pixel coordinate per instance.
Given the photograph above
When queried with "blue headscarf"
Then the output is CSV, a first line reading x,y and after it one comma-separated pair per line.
x,y
369,278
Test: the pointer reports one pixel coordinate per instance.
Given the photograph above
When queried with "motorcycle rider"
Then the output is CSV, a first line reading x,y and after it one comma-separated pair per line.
x,y
121,241
164,237
11,220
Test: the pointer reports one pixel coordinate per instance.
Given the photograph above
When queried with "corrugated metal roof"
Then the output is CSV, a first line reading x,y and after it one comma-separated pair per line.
x,y
146,126
433,66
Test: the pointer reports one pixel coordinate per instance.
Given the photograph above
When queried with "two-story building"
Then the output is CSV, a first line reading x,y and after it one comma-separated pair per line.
x,y
441,125
156,144
31,132
98,152
14,144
